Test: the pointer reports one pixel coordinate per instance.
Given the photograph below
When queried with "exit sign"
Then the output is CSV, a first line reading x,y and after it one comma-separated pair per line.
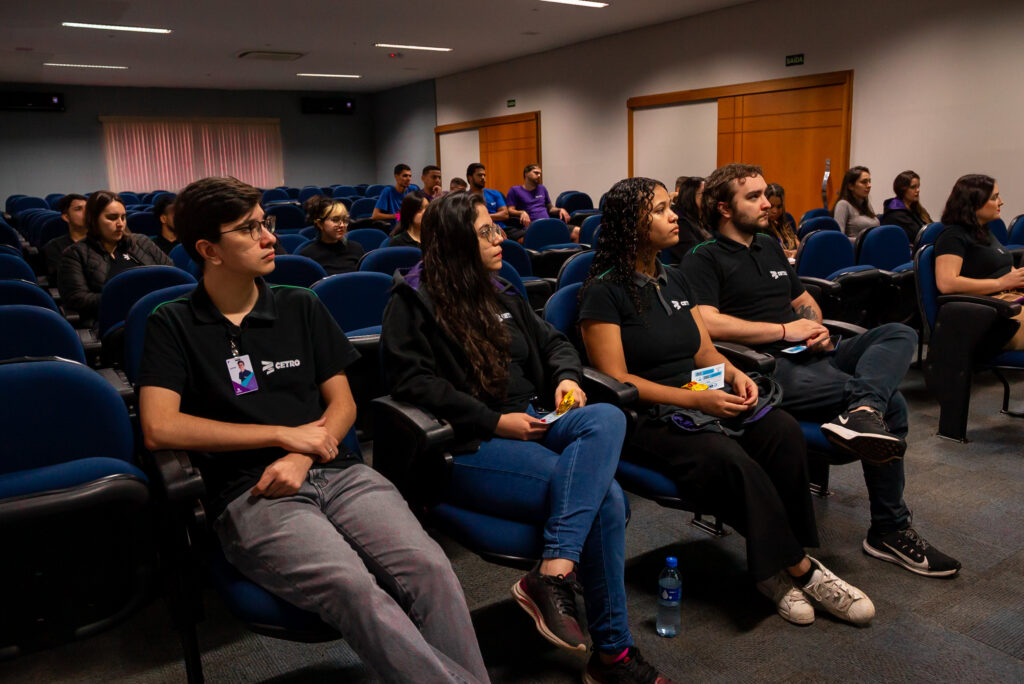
x,y
510,103
795,60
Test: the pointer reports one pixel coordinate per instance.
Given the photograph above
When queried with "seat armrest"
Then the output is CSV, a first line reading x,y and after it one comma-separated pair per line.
x,y
119,381
179,480
846,329
1003,308
827,287
410,448
604,389
433,431
746,359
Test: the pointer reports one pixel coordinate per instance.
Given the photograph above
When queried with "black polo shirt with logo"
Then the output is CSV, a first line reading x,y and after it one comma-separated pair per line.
x,y
659,343
755,283
293,345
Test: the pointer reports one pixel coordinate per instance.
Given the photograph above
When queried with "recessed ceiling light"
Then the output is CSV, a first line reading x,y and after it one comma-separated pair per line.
x,y
331,75
84,66
412,47
112,27
579,3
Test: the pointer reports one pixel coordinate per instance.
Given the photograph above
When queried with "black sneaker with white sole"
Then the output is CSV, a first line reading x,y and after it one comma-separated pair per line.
x,y
909,549
863,434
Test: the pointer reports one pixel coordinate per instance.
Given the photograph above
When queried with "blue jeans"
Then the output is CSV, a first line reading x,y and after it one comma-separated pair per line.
x,y
866,370
564,482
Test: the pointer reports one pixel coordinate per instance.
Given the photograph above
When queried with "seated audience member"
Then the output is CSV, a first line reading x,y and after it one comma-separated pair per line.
x,y
331,249
852,211
462,344
163,209
476,174
531,201
675,193
295,512
108,249
968,258
905,209
746,291
457,185
72,210
391,197
686,207
780,225
431,179
407,232
639,326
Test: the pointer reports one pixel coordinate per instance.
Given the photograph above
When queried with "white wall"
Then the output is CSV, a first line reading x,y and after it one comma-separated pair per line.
x,y
680,140
936,86
403,130
459,149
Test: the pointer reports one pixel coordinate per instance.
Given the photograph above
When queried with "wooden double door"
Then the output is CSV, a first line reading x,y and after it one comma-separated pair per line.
x,y
507,144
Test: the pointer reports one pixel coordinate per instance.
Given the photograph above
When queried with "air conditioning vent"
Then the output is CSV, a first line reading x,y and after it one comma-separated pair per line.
x,y
270,56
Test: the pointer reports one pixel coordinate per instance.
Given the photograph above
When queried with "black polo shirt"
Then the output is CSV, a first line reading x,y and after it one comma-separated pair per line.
x,y
660,342
982,260
293,345
755,283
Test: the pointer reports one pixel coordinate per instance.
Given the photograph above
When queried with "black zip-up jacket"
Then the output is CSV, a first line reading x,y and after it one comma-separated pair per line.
x,y
85,265
424,366
896,213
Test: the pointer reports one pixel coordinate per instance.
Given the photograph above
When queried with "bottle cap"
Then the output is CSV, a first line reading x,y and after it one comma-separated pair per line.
x,y
671,561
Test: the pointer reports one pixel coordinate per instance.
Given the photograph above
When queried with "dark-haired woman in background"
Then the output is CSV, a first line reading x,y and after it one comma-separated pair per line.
x,y
968,258
410,214
905,209
852,211
780,224
331,249
464,345
108,249
640,326
687,207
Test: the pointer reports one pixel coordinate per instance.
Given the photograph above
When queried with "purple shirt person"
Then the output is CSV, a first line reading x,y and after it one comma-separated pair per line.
x,y
531,201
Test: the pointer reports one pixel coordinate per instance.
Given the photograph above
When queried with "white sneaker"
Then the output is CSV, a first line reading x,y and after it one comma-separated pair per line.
x,y
790,601
837,597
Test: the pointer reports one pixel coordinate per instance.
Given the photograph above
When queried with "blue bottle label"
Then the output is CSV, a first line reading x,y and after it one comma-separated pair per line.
x,y
671,594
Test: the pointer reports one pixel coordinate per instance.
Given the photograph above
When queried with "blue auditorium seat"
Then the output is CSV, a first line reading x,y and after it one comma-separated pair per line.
x,y
575,269
37,331
549,233
814,223
295,270
287,216
135,324
356,300
369,238
388,260
15,268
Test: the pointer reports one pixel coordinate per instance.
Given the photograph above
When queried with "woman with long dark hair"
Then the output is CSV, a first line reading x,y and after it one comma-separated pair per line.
x,y
968,258
780,224
331,249
686,206
852,211
464,345
905,209
640,326
410,215
108,248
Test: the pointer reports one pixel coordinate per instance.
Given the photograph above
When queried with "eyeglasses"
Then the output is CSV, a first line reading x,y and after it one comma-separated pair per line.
x,y
256,228
340,220
490,232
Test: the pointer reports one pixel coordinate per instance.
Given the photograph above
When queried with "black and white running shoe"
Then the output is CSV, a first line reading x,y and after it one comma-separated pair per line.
x,y
863,434
909,549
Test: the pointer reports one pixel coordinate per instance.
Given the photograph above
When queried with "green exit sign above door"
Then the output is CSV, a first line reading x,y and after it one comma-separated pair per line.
x,y
795,60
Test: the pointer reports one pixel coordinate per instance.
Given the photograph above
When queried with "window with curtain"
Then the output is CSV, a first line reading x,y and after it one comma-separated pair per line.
x,y
145,154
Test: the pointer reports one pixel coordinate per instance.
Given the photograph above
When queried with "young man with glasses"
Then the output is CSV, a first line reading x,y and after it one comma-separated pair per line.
x,y
294,510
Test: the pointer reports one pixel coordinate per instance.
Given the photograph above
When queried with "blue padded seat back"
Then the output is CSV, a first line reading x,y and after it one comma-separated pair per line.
x,y
145,223
884,247
824,252
817,223
927,291
128,198
309,232
135,325
355,300
295,270
589,227
516,255
24,292
362,208
55,226
287,216
649,483
544,232
577,201
998,228
930,234
345,191
369,238
291,241
9,236
274,195
562,309
23,203
512,276
127,287
53,199
309,191
15,268
561,197
84,416
180,257
35,331
575,268
1016,236
814,213
387,260
375,190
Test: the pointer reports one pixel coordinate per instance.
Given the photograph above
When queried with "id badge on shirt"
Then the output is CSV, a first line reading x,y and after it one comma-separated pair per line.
x,y
712,376
243,379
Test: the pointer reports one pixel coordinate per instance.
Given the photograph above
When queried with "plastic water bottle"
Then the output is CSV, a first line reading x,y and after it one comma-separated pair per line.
x,y
669,594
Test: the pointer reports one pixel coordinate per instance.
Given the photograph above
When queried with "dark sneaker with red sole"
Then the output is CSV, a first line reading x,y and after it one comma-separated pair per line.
x,y
551,602
864,435
632,669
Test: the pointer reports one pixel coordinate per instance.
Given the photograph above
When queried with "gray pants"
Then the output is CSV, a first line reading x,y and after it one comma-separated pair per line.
x,y
347,547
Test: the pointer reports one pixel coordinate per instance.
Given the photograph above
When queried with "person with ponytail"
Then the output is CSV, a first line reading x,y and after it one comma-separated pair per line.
x,y
331,249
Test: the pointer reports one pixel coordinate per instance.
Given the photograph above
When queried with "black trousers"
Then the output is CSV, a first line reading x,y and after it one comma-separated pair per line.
x,y
756,483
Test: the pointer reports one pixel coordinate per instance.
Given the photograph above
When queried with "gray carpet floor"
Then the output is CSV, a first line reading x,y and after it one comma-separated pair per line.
x,y
968,500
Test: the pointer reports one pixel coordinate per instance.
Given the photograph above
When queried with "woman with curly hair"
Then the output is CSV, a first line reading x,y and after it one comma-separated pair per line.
x,y
780,224
331,249
464,345
640,326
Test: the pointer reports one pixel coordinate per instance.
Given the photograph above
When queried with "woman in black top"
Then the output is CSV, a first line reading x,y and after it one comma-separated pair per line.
x,y
780,224
968,258
905,209
687,208
331,249
410,214
640,326
464,345
108,249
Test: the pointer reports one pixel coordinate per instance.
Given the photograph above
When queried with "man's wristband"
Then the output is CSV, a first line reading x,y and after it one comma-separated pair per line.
x,y
783,332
